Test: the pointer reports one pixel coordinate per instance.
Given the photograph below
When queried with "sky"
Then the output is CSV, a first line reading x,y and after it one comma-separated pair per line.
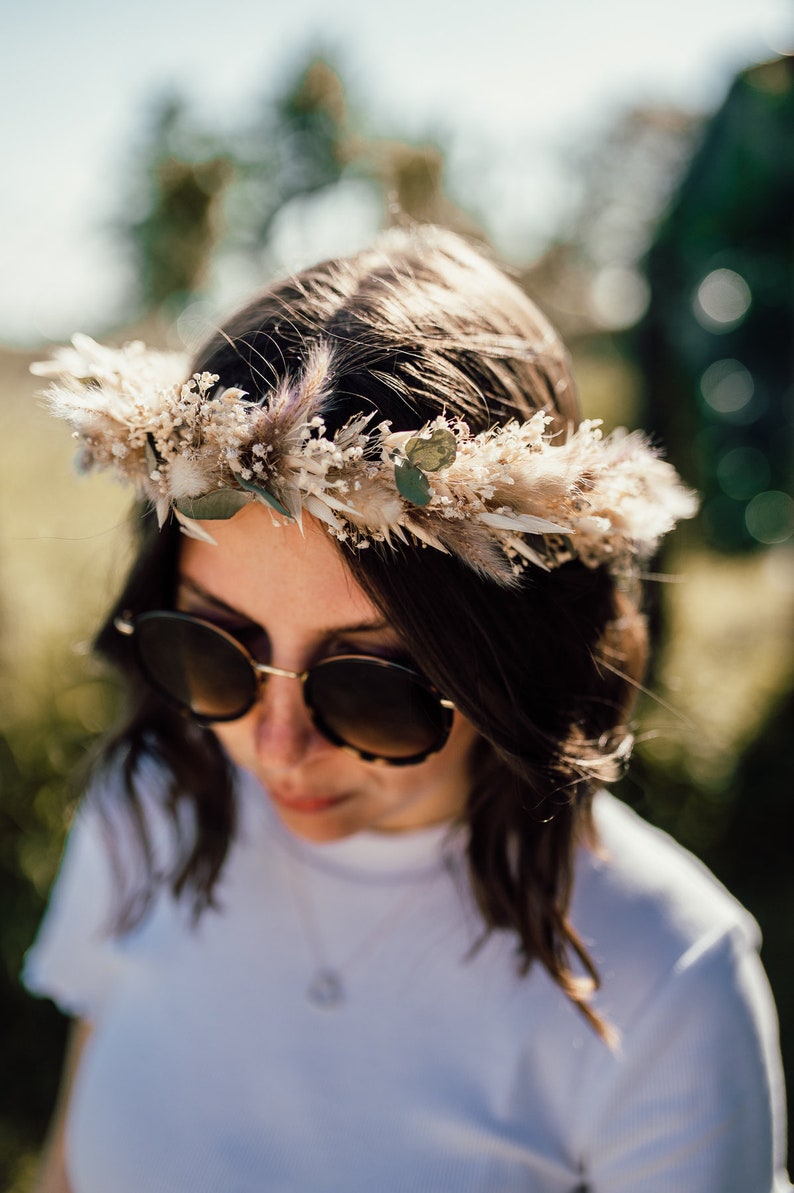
x,y
513,84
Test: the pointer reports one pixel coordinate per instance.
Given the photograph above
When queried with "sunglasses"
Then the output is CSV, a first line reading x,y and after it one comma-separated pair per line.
x,y
376,709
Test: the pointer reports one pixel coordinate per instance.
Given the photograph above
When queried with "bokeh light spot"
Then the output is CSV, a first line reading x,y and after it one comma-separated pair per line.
x,y
727,386
619,297
770,517
723,299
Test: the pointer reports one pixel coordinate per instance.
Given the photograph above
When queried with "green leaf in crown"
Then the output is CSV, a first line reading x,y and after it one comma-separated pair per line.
x,y
412,484
215,506
263,495
432,454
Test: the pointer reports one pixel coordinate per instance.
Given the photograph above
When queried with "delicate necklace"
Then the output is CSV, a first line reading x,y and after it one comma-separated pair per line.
x,y
327,987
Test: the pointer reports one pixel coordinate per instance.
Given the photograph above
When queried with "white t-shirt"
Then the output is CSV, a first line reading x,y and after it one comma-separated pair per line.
x,y
210,1071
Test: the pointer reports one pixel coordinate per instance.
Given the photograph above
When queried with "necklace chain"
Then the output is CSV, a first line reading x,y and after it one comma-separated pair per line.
x,y
327,987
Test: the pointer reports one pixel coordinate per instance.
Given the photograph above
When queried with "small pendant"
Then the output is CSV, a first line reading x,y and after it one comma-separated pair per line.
x,y
326,989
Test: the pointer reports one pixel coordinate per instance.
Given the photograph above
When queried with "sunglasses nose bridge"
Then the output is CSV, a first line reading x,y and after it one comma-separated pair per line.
x,y
262,670
286,729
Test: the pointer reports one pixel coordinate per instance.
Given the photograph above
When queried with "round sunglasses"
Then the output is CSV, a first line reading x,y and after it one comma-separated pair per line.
x,y
376,709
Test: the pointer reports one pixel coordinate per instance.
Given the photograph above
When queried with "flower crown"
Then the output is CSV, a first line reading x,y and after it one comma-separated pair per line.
x,y
498,500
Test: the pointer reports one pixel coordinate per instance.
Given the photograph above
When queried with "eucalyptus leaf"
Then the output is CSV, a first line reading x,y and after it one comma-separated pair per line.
x,y
263,495
270,500
412,484
218,505
439,451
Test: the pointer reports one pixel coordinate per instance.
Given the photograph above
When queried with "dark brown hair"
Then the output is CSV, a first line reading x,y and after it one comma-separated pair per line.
x,y
545,671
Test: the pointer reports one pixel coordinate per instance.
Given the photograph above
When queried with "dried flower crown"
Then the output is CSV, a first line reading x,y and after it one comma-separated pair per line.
x,y
498,500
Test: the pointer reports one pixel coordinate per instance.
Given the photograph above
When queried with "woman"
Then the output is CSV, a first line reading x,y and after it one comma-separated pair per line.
x,y
346,907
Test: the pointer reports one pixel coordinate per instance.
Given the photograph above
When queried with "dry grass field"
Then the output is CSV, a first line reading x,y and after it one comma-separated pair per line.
x,y
63,542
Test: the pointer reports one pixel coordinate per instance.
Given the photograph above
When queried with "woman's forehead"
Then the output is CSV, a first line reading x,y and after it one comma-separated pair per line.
x,y
277,573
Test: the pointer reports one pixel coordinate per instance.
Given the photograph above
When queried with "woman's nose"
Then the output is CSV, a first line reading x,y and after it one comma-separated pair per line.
x,y
285,732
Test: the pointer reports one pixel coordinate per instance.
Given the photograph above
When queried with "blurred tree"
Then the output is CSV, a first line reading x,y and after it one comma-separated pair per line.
x,y
208,192
717,343
298,146
411,181
716,353
185,174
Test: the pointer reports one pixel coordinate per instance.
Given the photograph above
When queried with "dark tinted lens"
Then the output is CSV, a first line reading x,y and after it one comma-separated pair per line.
x,y
198,667
381,709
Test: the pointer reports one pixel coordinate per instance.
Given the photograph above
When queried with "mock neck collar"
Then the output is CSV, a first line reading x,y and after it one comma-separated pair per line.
x,y
368,853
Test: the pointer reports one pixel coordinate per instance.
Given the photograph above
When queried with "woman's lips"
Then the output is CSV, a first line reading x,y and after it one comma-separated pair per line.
x,y
306,803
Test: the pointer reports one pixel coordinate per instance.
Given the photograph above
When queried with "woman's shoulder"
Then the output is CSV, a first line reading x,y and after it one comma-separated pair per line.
x,y
640,874
694,1084
76,956
646,907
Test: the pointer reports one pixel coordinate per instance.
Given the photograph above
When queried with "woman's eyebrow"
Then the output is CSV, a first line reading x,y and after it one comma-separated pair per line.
x,y
363,627
197,590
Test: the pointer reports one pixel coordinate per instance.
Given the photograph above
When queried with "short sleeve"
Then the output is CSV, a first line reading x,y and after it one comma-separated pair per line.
x,y
73,960
77,956
695,1098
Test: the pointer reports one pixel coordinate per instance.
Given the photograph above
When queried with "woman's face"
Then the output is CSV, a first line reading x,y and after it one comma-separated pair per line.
x,y
296,588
